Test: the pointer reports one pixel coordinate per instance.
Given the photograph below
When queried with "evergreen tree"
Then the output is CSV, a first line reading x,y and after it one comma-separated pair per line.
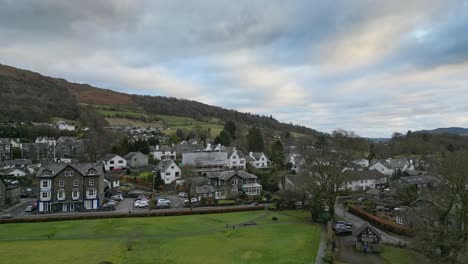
x,y
255,140
223,138
371,155
230,127
277,154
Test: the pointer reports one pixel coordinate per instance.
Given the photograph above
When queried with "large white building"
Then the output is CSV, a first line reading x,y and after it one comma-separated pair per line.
x,y
363,179
61,125
389,166
236,158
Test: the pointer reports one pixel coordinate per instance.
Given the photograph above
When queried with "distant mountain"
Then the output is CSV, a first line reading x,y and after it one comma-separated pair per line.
x,y
30,96
449,130
379,139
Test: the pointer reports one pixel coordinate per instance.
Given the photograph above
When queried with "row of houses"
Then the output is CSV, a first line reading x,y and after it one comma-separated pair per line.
x,y
9,194
212,156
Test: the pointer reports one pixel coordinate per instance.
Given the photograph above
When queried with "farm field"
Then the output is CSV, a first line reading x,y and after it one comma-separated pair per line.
x,y
177,239
130,115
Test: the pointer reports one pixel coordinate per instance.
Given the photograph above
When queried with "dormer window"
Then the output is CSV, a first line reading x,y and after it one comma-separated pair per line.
x,y
69,174
92,171
46,172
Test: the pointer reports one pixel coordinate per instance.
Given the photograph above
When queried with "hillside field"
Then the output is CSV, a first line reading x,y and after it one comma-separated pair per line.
x,y
177,239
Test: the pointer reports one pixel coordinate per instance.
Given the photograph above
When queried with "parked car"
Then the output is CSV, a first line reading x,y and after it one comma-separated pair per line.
x,y
29,208
117,197
342,224
186,201
6,216
343,231
141,204
183,194
254,205
163,201
194,200
108,207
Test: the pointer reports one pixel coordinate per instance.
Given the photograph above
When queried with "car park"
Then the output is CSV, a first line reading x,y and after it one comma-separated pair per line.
x,y
29,208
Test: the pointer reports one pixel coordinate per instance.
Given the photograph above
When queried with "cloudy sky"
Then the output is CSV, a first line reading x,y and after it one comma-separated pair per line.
x,y
373,67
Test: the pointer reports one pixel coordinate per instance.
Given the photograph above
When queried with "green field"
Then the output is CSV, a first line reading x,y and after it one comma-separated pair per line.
x,y
402,256
124,115
178,239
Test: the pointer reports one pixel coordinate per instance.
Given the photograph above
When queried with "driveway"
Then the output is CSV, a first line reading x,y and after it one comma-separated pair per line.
x,y
357,222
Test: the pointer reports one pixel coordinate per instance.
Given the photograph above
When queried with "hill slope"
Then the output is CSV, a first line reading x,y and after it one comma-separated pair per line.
x,y
448,130
29,96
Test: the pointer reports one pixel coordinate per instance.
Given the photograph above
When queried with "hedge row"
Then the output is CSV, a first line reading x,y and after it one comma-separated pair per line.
x,y
52,218
380,222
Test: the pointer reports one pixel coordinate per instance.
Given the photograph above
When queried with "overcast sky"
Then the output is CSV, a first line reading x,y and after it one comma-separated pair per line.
x,y
373,67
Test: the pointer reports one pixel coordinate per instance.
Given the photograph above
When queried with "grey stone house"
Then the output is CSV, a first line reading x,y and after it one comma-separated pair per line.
x,y
136,159
5,149
3,194
231,183
70,187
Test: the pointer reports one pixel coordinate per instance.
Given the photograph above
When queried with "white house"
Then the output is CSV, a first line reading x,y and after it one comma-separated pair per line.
x,y
210,147
114,162
168,170
61,125
111,181
258,160
165,153
363,179
13,172
389,166
48,140
236,158
212,160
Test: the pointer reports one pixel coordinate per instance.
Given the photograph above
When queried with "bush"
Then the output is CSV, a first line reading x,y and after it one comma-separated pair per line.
x,y
274,218
328,258
323,218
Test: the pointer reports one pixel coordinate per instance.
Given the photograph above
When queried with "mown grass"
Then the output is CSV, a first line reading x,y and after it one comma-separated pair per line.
x,y
286,241
395,255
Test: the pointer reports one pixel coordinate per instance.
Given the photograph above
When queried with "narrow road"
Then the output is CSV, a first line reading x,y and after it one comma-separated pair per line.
x,y
357,222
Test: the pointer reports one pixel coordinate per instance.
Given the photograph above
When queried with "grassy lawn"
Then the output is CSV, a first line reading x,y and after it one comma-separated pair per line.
x,y
396,255
288,240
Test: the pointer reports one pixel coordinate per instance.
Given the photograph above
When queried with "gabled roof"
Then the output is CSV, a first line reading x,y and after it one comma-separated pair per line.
x,y
110,178
357,175
165,164
82,168
204,189
131,155
4,141
109,157
225,175
371,228
10,170
15,162
297,180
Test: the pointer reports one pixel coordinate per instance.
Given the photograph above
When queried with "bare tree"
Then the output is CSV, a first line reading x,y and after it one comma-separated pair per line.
x,y
188,175
323,169
442,233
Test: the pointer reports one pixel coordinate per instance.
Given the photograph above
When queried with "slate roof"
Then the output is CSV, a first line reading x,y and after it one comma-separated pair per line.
x,y
205,158
204,189
164,165
111,178
109,157
365,226
357,175
56,168
16,162
10,170
297,180
225,175
4,141
131,155
420,179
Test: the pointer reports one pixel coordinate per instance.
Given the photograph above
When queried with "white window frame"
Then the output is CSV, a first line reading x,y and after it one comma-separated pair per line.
x,y
61,184
47,184
76,183
91,182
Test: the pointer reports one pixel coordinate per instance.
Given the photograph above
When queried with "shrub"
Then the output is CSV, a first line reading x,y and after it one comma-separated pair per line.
x,y
323,217
274,218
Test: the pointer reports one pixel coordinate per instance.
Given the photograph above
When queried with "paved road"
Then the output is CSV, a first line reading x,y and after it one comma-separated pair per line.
x,y
357,222
18,209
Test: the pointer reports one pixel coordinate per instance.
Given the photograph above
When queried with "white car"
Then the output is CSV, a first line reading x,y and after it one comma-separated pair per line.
x,y
163,202
194,200
141,204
